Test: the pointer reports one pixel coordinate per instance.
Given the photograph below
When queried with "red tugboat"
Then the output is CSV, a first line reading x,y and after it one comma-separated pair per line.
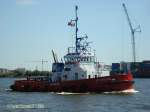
x,y
79,73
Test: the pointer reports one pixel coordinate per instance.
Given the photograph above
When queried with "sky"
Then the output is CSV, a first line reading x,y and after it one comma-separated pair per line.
x,y
30,29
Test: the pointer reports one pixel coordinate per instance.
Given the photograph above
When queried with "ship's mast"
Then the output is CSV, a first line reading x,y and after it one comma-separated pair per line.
x,y
79,46
76,29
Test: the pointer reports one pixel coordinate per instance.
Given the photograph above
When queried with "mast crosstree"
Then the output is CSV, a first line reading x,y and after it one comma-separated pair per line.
x,y
79,44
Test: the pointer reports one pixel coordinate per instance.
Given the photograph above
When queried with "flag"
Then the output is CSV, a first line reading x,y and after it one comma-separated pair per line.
x,y
71,23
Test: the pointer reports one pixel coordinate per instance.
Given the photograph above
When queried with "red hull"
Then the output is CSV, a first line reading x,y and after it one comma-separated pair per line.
x,y
101,84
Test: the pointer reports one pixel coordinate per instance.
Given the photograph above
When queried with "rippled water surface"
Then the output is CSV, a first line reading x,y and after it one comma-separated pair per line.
x,y
52,102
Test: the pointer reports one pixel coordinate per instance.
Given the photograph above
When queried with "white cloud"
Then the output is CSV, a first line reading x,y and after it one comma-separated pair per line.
x,y
26,2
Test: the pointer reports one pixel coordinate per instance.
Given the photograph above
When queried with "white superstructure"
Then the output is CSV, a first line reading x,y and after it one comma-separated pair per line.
x,y
79,62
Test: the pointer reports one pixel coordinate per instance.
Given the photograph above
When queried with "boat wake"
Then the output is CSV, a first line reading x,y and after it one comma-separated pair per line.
x,y
128,91
69,93
8,89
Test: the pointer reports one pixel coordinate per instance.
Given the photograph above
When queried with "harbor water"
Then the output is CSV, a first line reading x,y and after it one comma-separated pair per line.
x,y
137,101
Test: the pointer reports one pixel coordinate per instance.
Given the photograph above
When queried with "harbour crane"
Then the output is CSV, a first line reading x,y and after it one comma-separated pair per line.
x,y
133,30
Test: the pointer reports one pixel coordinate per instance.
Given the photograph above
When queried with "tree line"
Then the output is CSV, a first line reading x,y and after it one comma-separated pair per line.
x,y
16,73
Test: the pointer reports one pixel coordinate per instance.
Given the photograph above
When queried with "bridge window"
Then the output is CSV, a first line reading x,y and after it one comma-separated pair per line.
x,y
87,59
75,59
72,59
78,59
67,69
76,76
95,76
82,59
67,59
65,76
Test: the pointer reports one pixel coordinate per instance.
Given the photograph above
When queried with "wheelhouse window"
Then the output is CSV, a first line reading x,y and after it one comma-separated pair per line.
x,y
76,76
78,59
65,76
67,59
82,59
67,69
95,76
87,59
